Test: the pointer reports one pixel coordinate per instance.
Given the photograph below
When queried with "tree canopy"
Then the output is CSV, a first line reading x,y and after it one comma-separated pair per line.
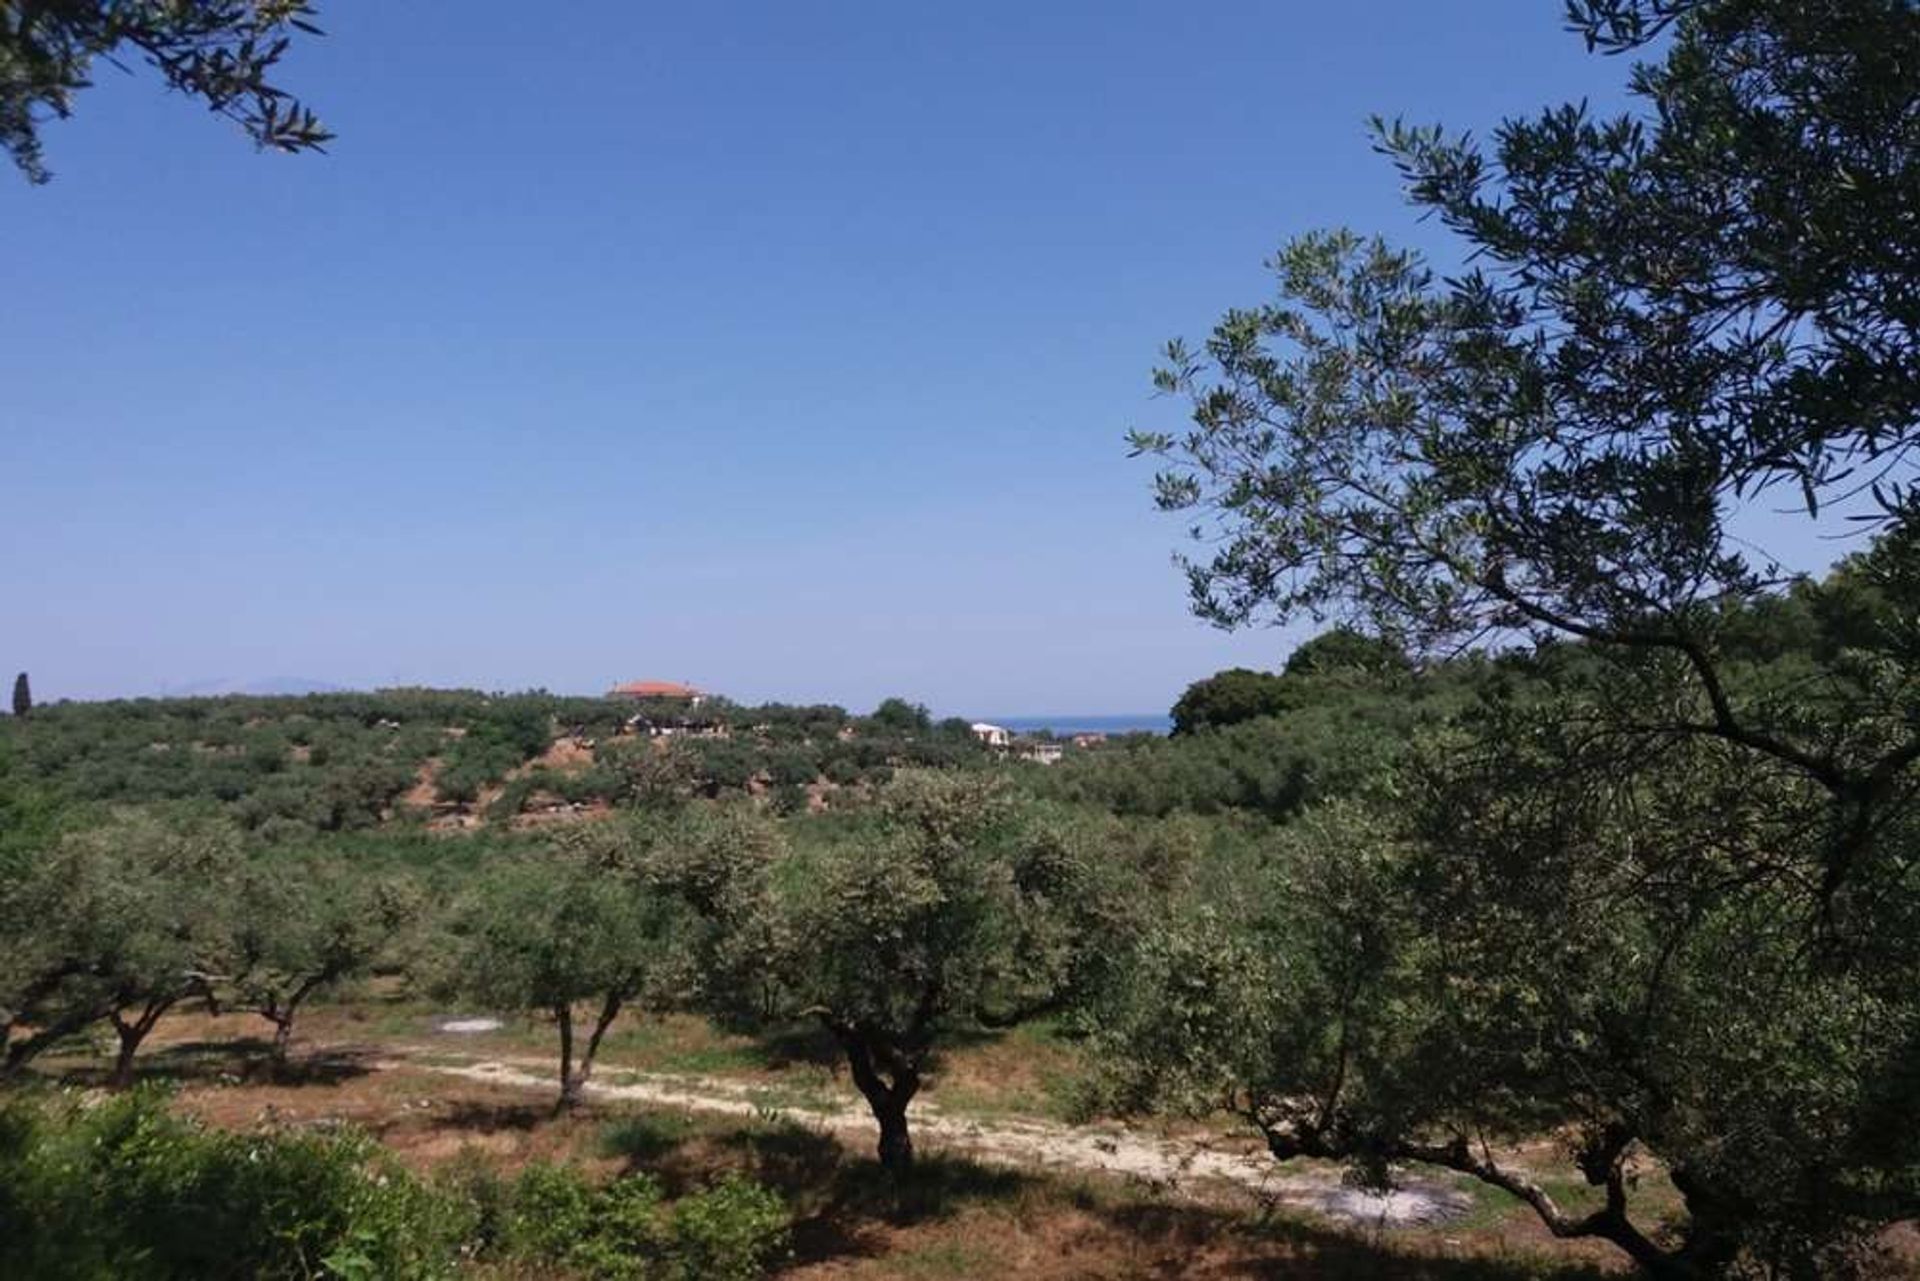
x,y
1230,697
546,935
1662,899
945,906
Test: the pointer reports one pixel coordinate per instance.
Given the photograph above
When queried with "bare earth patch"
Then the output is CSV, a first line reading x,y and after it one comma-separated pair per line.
x,y
1165,1162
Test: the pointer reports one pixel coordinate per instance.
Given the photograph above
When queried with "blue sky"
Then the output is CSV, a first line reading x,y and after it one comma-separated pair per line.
x,y
782,348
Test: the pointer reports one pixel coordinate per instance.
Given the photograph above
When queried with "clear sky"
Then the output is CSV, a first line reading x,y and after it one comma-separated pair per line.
x,y
783,348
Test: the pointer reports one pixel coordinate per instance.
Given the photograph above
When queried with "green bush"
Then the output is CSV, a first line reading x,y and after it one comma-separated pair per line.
x,y
733,1231
626,1231
126,1190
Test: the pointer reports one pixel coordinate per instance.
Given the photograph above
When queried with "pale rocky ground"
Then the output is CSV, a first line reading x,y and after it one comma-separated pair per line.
x,y
1168,1161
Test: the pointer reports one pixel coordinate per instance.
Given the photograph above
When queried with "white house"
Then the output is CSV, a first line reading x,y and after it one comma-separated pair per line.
x,y
992,735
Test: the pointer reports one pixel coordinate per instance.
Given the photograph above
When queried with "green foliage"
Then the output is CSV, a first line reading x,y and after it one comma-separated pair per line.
x,y
731,1231
897,715
1655,891
1230,697
939,907
1552,925
646,773
324,763
944,905
504,735
126,1190
1341,649
29,819
221,52
292,766
118,920
22,695
305,926
1527,958
546,932
624,1230
1339,734
543,935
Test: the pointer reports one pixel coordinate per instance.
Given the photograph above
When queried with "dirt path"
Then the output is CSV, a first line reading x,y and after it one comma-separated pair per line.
x,y
1164,1161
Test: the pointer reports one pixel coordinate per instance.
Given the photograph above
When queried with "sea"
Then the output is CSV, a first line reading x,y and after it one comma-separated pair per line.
x,y
1060,726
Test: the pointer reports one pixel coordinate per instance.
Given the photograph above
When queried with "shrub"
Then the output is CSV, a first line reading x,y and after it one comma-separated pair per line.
x,y
625,1230
733,1231
126,1190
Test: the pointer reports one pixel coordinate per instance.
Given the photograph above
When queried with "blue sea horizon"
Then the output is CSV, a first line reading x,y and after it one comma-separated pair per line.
x,y
1128,723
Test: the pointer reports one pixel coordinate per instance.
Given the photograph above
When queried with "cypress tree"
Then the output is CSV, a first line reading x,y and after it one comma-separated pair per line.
x,y
22,695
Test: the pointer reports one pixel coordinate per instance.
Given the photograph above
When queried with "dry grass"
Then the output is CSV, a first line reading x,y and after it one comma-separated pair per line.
x,y
954,1218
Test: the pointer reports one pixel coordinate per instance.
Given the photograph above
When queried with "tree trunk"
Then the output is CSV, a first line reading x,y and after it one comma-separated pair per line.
x,y
282,1038
1602,1166
18,1053
573,1079
888,1099
1711,1245
896,1143
282,1013
123,1061
569,1084
609,1011
23,1051
132,1033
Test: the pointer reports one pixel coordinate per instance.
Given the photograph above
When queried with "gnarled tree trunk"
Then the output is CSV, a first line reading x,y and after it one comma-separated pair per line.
x,y
21,1052
888,1079
131,1033
282,1013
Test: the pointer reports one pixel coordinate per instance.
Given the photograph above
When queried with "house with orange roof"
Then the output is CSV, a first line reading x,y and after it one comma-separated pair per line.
x,y
639,691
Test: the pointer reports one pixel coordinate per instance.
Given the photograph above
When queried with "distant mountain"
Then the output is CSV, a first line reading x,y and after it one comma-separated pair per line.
x,y
268,686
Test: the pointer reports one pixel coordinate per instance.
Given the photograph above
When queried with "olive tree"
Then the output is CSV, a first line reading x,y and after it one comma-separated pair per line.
x,y
1230,697
1675,899
58,906
548,934
303,927
183,875
1677,316
945,906
119,922
1614,964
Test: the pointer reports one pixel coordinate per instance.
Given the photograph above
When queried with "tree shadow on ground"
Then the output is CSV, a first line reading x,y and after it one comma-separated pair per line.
x,y
842,1203
848,1208
494,1117
646,1140
247,1059
1293,1246
846,1205
799,1043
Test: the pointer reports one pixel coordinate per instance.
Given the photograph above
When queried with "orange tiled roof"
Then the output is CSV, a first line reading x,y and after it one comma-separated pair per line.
x,y
655,689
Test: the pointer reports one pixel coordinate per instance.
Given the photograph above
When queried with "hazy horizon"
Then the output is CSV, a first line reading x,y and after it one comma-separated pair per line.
x,y
300,686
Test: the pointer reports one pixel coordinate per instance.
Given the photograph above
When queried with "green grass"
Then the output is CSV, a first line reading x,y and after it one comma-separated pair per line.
x,y
644,1137
942,1259
786,1097
647,1043
1051,1100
